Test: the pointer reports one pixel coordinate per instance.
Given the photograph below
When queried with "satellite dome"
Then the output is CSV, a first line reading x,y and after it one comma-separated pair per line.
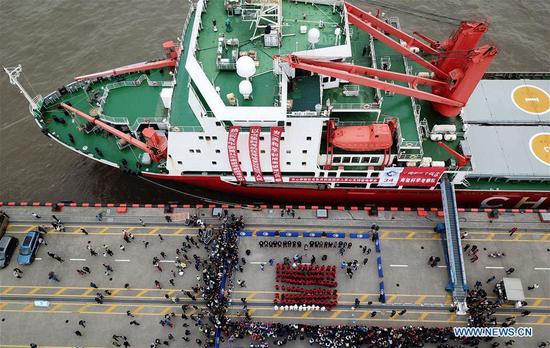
x,y
313,35
245,88
246,67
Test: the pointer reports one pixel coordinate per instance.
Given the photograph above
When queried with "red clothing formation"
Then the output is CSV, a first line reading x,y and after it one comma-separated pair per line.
x,y
306,275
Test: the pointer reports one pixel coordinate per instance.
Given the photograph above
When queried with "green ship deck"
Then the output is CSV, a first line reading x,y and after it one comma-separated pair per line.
x,y
132,101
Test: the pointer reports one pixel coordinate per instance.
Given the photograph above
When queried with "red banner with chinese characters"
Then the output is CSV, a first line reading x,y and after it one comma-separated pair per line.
x,y
420,176
276,153
341,180
232,138
254,151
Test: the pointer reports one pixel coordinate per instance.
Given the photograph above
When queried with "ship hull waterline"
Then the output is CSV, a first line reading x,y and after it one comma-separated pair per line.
x,y
361,197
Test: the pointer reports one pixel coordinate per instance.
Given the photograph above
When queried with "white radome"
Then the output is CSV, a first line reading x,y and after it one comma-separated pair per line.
x,y
313,35
246,67
245,88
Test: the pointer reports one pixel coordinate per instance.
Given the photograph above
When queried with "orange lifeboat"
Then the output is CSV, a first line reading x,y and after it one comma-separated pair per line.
x,y
363,138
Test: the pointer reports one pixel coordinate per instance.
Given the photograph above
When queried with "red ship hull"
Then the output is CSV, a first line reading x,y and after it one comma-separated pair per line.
x,y
362,197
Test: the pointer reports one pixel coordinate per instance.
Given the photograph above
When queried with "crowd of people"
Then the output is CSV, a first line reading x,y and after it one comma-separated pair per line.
x,y
337,336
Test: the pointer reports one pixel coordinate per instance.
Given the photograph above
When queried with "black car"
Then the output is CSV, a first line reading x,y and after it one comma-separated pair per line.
x,y
7,247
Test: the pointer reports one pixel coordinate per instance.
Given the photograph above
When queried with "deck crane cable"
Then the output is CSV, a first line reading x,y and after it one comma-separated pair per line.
x,y
416,12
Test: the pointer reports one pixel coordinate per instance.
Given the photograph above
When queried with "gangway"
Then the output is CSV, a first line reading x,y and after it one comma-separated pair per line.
x,y
455,261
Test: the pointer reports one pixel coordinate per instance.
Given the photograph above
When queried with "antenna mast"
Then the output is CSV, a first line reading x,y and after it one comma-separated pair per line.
x,y
14,73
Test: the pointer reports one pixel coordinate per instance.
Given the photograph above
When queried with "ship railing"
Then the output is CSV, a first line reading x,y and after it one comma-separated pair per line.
x,y
146,120
355,106
402,156
190,129
115,120
374,64
305,114
38,101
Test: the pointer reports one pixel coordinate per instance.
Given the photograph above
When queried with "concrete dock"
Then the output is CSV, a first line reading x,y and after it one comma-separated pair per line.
x,y
407,241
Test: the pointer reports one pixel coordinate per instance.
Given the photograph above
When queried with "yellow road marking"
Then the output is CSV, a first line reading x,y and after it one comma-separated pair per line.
x,y
27,307
103,230
3,304
179,231
420,299
277,314
33,291
491,236
364,315
60,291
153,231
335,314
141,293
29,229
542,319
8,289
448,300
84,308
422,316
411,235
138,309
537,302
307,314
87,292
452,317
384,235
111,308
391,299
55,307
167,310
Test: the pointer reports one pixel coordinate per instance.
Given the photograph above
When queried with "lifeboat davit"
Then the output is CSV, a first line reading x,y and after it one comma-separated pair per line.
x,y
363,138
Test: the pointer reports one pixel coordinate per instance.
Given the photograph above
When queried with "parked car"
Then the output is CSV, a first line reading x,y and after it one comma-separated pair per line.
x,y
28,248
7,247
4,220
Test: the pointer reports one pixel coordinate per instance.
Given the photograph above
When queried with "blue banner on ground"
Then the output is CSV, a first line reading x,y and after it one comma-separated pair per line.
x,y
382,297
377,245
289,234
336,235
359,235
312,234
265,234
245,233
380,270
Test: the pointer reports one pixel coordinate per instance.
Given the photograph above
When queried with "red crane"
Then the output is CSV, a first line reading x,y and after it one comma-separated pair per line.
x,y
156,145
462,160
458,65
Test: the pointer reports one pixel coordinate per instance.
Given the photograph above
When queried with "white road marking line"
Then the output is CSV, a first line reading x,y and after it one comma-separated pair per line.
x,y
257,262
442,266
122,260
399,265
167,261
38,258
77,259
542,268
494,267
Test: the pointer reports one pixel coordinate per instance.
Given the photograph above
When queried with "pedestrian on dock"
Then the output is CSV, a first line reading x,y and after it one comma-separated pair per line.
x,y
82,323
513,230
78,333
510,270
83,230
533,287
52,276
141,222
35,215
121,247
17,273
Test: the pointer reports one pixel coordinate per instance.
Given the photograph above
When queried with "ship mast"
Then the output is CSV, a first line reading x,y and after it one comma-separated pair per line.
x,y
14,73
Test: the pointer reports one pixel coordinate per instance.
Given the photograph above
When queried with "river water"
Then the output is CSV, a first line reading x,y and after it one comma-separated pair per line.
x,y
56,40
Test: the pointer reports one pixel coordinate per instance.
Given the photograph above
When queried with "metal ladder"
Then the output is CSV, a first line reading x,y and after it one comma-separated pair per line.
x,y
457,282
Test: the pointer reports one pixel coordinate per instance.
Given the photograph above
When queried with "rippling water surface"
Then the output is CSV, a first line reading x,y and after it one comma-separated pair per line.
x,y
56,40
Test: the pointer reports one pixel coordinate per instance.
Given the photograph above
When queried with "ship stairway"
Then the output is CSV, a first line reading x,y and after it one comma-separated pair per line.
x,y
453,247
